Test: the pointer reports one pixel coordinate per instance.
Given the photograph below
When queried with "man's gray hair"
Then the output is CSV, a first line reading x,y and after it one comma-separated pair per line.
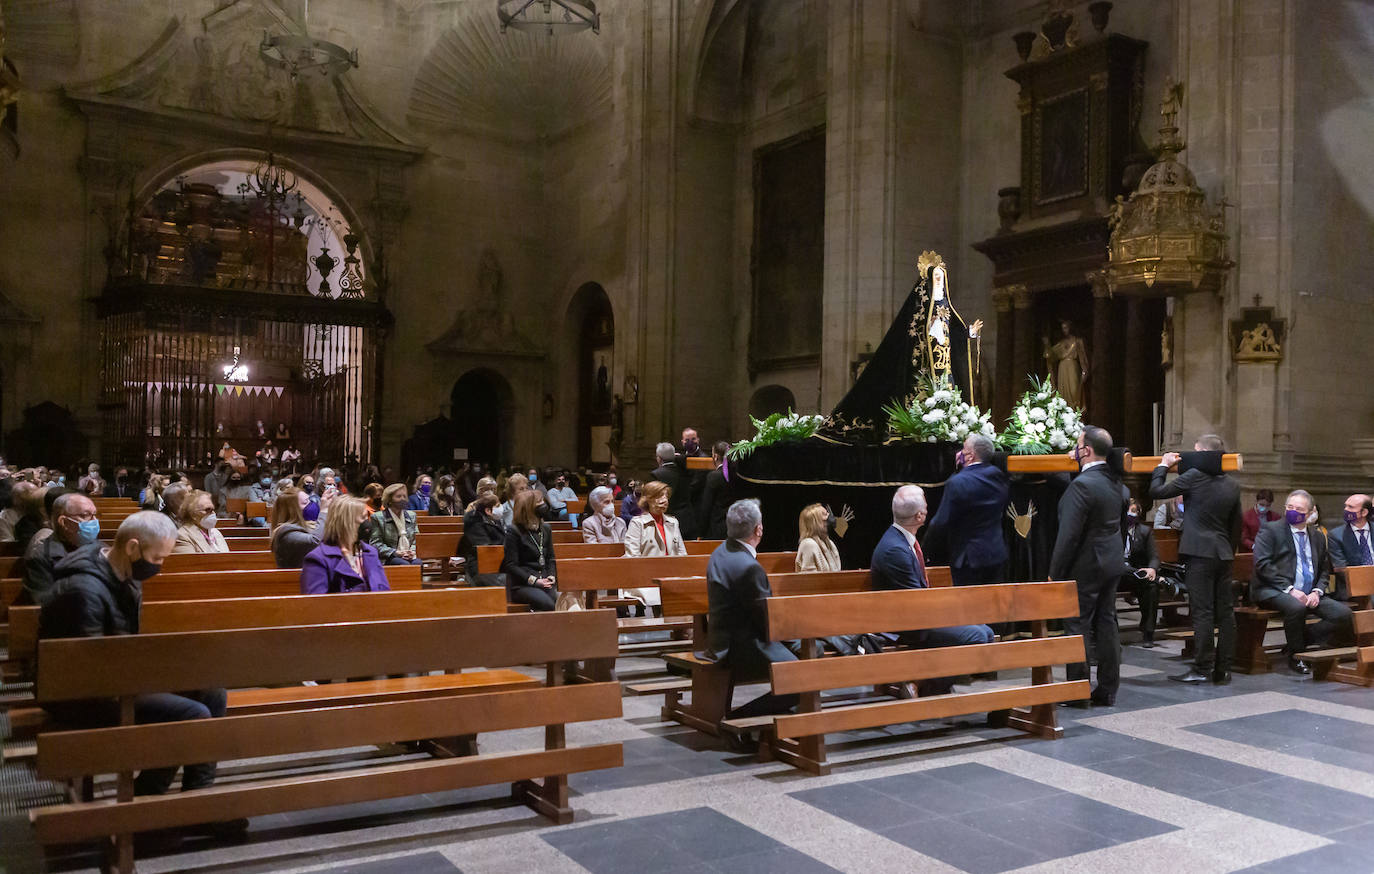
x,y
982,446
1301,493
66,501
664,452
598,494
742,518
173,495
908,503
145,526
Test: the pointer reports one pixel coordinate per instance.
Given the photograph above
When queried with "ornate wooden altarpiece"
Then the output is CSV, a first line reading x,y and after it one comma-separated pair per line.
x,y
1080,108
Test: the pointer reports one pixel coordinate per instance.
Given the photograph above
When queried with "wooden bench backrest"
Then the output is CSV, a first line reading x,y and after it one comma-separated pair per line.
x,y
151,663
1361,581
1243,567
489,556
9,565
256,510
594,574
222,613
11,548
686,596
1167,548
437,544
251,584
809,616
236,505
190,562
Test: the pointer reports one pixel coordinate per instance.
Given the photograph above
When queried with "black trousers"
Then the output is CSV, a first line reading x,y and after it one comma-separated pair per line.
x,y
539,598
1331,615
1096,621
1213,608
1147,596
750,664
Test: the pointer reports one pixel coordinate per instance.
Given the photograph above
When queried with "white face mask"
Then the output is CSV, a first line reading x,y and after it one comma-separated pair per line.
x,y
208,521
612,480
608,509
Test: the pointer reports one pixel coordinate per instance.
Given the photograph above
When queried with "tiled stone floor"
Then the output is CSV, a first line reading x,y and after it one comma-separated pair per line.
x,y
1273,773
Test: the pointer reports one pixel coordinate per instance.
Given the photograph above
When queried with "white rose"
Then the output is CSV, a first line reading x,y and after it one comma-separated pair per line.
x,y
1037,415
932,439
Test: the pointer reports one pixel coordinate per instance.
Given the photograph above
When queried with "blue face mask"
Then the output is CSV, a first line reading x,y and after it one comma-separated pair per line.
x,y
265,482
534,477
88,530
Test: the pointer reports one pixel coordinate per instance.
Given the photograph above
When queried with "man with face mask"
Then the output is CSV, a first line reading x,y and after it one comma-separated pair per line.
x,y
1207,549
1292,576
559,496
1352,544
120,487
74,524
97,591
601,524
1088,551
1255,517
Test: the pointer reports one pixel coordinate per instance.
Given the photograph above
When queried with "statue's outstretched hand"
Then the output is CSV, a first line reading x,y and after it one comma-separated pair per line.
x,y
976,328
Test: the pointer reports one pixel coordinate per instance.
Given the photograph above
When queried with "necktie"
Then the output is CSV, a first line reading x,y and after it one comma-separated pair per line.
x,y
920,556
1306,562
1365,556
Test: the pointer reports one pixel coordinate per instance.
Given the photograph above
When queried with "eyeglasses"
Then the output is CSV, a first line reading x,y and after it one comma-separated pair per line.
x,y
81,517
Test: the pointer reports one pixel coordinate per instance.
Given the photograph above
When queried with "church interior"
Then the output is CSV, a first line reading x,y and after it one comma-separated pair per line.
x,y
368,248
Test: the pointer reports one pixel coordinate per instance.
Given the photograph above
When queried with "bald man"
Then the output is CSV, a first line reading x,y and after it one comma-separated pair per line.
x,y
1352,544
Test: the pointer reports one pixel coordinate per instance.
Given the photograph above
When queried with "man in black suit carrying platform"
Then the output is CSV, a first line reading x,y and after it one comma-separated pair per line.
x,y
1088,550
1292,573
1207,548
737,634
970,515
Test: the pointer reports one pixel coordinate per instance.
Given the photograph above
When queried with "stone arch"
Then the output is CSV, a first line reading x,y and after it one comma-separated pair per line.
x,y
770,399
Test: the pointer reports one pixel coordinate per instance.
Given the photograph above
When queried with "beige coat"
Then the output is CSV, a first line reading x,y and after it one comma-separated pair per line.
x,y
191,538
813,555
641,539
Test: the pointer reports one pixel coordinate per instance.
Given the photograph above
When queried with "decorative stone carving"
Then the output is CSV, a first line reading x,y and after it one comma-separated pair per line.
x,y
1257,337
485,325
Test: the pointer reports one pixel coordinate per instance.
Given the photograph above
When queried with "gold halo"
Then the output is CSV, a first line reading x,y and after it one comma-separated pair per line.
x,y
929,258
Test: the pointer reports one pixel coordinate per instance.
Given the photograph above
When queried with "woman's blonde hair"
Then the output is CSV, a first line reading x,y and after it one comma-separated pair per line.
x,y
486,484
341,527
186,513
652,491
390,492
526,514
372,494
812,523
287,509
516,484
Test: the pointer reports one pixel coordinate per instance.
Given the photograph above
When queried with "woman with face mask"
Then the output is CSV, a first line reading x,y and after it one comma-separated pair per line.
x,y
420,497
601,524
198,532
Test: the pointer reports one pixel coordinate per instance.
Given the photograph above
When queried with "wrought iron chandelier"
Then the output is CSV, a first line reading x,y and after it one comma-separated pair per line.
x,y
569,16
299,54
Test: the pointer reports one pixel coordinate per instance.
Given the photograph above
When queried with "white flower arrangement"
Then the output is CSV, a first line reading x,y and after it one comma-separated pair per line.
x,y
1041,423
937,412
786,427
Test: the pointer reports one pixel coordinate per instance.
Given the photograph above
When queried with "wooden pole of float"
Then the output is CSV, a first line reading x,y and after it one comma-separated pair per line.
x,y
1230,462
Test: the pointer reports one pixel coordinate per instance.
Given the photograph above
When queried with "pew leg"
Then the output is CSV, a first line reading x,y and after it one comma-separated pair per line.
x,y
1042,720
1251,657
549,798
711,691
806,753
119,855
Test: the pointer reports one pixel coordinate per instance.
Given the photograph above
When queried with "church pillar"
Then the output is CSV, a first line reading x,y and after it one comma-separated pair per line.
x,y
1104,387
1023,354
1135,395
1005,376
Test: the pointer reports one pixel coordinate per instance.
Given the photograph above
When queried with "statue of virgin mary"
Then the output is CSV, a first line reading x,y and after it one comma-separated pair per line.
x,y
948,352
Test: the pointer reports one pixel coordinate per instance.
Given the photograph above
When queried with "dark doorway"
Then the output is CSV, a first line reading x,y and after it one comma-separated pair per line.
x,y
591,311
771,399
479,413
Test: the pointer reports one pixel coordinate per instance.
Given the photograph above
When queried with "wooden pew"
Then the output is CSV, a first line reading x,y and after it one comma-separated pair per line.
x,y
710,685
1334,663
72,670
256,510
799,739
489,557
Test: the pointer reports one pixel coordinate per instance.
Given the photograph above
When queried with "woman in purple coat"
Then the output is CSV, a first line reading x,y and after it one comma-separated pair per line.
x,y
342,563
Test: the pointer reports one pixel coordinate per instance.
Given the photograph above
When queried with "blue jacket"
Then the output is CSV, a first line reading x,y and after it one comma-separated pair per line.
x,y
970,516
1345,547
325,571
418,501
894,564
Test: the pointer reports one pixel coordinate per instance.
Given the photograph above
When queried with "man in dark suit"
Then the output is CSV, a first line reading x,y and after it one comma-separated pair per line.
x,y
1143,560
1352,544
1207,549
969,519
736,585
672,470
1292,574
1088,551
899,563
715,497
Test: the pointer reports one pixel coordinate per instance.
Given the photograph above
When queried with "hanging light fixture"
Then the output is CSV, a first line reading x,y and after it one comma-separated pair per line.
x,y
550,16
299,54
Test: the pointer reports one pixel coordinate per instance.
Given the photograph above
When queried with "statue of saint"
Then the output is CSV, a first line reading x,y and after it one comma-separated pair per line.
x,y
1068,364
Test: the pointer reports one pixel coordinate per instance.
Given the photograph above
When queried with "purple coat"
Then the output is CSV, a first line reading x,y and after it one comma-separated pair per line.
x,y
325,571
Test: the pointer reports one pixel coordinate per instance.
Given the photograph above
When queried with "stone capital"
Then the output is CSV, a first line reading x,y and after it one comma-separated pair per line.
x,y
1021,296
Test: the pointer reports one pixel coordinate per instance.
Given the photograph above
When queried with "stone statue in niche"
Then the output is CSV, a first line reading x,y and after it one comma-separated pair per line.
x,y
1257,337
485,324
1067,361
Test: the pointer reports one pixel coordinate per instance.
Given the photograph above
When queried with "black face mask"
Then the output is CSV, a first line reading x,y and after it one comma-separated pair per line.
x,y
142,569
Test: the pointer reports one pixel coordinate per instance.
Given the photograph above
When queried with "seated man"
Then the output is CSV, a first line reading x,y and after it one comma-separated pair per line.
x,y
559,496
899,563
1292,574
97,591
1352,544
736,585
1143,559
74,524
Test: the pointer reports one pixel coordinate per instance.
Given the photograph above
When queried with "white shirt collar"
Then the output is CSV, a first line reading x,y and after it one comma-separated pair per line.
x,y
910,538
1092,464
749,546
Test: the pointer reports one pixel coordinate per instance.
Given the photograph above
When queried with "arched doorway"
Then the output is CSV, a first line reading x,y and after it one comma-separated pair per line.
x,y
482,416
771,399
590,311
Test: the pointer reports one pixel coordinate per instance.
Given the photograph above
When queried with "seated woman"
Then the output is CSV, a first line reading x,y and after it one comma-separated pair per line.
x,y
445,500
341,563
151,496
652,532
292,537
197,518
419,498
600,524
515,484
815,550
481,527
529,566
394,529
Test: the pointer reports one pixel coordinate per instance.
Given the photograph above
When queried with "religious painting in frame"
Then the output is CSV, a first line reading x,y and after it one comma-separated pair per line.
x,y
1061,147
